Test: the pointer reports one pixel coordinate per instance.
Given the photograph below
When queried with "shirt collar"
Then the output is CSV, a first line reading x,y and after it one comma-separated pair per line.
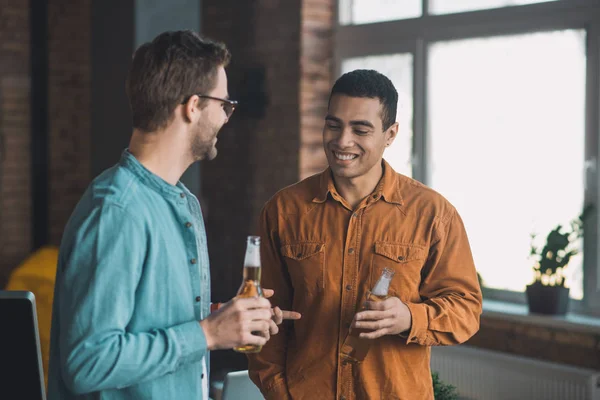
x,y
387,188
389,185
155,182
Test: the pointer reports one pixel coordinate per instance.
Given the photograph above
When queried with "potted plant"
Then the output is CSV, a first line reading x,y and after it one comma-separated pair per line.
x,y
442,390
548,293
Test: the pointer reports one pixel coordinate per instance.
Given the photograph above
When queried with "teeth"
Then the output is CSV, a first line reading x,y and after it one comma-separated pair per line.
x,y
344,157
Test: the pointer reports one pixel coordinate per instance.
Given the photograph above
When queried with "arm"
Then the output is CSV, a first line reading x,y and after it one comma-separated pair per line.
x,y
449,313
267,368
97,300
451,308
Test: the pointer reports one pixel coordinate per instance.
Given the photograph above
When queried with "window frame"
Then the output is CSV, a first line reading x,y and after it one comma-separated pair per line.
x,y
416,34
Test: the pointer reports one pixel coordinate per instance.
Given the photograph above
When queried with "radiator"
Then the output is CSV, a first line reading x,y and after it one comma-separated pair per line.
x,y
489,375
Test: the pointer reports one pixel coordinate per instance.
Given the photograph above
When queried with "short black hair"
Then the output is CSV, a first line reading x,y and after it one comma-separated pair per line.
x,y
163,72
372,84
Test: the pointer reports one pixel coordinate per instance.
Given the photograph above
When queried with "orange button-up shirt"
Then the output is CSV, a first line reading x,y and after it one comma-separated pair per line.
x,y
321,257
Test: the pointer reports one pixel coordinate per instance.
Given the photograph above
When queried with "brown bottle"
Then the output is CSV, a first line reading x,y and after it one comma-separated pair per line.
x,y
355,349
251,283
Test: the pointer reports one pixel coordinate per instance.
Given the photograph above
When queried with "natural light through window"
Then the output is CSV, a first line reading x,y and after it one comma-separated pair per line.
x,y
455,6
506,144
367,11
399,68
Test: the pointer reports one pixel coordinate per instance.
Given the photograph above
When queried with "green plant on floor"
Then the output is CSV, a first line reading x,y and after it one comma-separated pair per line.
x,y
552,259
441,390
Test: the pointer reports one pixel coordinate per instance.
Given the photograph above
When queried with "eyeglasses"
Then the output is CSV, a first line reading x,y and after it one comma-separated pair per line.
x,y
228,105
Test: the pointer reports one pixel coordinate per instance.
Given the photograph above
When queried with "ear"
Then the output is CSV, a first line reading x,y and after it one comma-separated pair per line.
x,y
390,134
191,109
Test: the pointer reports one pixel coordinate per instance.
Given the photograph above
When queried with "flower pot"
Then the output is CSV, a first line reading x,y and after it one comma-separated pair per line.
x,y
550,300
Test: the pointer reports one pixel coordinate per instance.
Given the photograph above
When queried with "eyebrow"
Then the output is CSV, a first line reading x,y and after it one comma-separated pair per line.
x,y
352,123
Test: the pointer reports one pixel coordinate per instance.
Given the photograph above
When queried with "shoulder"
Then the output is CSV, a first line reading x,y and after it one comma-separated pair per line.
x,y
114,195
295,199
421,199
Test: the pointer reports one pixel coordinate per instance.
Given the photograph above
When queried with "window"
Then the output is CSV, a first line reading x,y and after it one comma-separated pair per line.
x,y
503,109
366,11
455,6
506,133
397,67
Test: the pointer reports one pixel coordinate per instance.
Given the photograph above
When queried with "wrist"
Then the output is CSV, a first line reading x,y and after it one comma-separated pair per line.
x,y
210,341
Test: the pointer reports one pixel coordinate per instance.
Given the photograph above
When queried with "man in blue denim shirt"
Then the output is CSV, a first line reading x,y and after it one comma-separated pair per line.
x,y
131,313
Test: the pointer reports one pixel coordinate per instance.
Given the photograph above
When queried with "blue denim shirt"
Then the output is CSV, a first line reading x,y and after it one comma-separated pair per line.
x,y
132,283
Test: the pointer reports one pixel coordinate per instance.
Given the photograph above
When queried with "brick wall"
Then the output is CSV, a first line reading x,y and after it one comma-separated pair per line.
x,y
69,95
316,79
261,150
68,122
258,148
15,170
549,343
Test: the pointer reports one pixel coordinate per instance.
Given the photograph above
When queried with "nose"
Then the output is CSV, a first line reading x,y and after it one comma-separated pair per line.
x,y
345,138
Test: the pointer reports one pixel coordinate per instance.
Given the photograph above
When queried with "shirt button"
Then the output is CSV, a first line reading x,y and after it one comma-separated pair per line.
x,y
342,397
348,287
198,299
182,195
188,224
351,250
202,376
193,261
354,215
401,258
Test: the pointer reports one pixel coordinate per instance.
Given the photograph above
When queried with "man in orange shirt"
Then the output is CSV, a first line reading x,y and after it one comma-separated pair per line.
x,y
326,240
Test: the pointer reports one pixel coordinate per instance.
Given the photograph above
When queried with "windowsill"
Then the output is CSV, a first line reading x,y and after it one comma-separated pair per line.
x,y
520,313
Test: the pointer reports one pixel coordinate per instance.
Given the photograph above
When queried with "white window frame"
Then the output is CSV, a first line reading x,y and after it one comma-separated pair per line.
x,y
414,36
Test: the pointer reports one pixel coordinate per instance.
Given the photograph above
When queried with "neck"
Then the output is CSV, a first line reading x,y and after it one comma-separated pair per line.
x,y
354,190
165,153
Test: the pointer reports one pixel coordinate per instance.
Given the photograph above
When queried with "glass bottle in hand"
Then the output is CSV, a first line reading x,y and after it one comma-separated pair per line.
x,y
355,349
251,283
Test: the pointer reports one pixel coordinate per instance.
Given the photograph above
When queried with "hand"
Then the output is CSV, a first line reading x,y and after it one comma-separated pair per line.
x,y
388,317
238,322
279,315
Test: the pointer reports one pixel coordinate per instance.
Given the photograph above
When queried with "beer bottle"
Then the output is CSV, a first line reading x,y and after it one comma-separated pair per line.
x,y
251,282
355,348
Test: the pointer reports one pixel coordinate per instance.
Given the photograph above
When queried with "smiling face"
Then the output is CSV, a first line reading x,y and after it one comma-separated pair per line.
x,y
354,139
213,117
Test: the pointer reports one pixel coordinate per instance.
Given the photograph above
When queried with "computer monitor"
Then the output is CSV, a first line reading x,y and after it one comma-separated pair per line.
x,y
238,386
21,370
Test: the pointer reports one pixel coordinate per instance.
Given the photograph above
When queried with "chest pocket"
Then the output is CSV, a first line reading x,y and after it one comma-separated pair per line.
x,y
305,263
406,260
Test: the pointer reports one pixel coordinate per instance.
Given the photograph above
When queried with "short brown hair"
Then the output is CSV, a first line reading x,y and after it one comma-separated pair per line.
x,y
174,66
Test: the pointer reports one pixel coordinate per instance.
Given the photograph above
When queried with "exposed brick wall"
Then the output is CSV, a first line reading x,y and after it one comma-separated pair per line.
x,y
555,344
69,95
257,154
316,58
292,41
15,170
69,122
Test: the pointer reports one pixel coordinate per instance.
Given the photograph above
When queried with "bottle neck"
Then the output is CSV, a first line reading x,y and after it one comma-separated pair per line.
x,y
382,287
252,258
